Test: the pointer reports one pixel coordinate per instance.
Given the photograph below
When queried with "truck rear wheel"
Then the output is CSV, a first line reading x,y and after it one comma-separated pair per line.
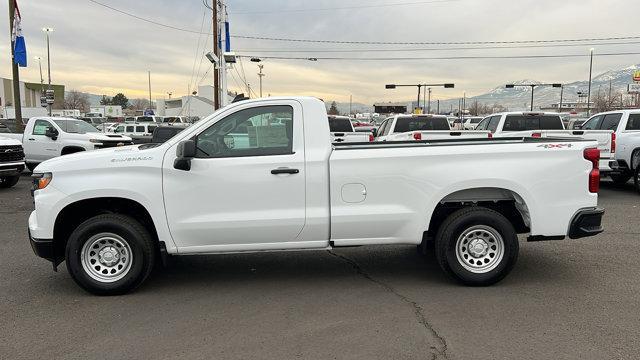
x,y
636,179
8,181
477,246
110,254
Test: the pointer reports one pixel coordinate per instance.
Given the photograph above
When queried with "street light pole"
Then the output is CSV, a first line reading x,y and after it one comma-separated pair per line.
x,y
40,65
590,72
429,103
47,31
561,94
533,86
260,75
446,86
419,87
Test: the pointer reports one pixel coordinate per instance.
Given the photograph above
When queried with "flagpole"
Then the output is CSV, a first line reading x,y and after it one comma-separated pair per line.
x,y
17,106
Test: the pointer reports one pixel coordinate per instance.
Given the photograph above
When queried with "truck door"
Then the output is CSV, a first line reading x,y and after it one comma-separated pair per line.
x,y
246,187
37,145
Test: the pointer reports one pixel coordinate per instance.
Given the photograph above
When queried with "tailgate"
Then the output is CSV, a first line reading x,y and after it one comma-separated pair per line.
x,y
603,137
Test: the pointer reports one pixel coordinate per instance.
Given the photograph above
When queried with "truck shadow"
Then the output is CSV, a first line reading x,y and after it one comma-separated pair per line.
x,y
307,269
619,188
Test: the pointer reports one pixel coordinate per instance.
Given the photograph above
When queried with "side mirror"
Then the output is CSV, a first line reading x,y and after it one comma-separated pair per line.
x,y
185,151
374,131
51,133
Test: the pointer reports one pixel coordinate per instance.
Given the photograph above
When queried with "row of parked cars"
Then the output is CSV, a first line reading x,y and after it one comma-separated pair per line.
x,y
617,133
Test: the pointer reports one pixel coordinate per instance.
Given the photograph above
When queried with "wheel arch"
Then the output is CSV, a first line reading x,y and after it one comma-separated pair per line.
x,y
70,149
75,213
507,202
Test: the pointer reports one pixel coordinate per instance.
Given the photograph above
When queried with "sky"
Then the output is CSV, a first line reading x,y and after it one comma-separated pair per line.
x,y
100,51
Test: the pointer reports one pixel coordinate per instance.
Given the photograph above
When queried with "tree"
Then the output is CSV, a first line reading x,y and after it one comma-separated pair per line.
x,y
77,100
105,100
333,110
139,104
121,100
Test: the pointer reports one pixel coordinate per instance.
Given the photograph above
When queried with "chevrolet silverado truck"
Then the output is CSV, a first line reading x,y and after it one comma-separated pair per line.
x,y
422,127
112,214
48,137
342,131
548,125
626,144
11,162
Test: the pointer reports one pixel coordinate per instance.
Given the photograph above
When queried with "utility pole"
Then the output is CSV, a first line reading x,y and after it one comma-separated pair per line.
x,y
610,103
47,31
438,111
561,94
429,103
17,106
260,75
249,90
149,72
590,73
216,52
350,104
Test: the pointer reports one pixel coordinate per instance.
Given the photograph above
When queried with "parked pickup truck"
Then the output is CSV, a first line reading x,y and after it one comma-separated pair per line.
x,y
113,213
47,137
342,131
422,127
626,125
547,125
11,161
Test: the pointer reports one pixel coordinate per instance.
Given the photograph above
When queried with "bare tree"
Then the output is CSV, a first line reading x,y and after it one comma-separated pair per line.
x,y
77,100
139,104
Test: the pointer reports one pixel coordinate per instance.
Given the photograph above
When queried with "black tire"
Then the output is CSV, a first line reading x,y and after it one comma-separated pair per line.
x,y
463,221
636,179
621,179
142,253
8,181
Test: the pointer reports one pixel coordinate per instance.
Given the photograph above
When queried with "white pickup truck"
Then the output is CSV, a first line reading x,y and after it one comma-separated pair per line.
x,y
342,131
547,125
11,161
422,127
113,213
626,144
48,137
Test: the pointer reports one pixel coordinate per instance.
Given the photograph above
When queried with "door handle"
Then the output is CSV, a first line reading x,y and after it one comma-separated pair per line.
x,y
32,139
284,171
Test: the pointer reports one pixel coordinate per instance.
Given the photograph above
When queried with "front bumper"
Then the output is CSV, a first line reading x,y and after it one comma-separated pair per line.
x,y
11,169
43,248
587,222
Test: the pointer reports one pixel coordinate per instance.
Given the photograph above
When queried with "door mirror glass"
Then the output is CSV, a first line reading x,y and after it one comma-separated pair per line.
x,y
185,151
51,133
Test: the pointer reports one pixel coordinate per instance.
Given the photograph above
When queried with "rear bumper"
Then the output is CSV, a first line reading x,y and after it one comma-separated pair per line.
x,y
587,222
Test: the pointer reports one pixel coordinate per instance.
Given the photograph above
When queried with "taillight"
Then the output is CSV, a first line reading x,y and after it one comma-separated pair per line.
x,y
417,136
490,135
536,135
593,155
613,142
370,137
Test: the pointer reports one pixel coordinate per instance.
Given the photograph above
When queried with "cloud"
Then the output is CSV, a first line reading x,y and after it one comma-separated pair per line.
x,y
97,50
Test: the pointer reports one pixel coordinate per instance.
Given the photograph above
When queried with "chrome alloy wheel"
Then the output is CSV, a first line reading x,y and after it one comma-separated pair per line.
x,y
106,257
480,249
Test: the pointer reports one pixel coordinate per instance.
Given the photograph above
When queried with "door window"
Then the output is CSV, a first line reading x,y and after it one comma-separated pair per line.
x,y
40,127
483,124
634,122
260,131
119,129
139,129
593,123
130,129
610,122
493,123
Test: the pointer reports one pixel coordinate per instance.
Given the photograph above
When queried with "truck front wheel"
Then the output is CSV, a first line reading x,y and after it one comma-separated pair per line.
x,y
110,254
477,246
636,178
8,181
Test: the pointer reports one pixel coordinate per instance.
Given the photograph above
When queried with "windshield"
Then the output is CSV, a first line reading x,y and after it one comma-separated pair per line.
x,y
75,126
340,125
406,124
144,119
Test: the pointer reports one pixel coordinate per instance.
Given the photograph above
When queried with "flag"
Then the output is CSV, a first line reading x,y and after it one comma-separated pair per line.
x,y
19,47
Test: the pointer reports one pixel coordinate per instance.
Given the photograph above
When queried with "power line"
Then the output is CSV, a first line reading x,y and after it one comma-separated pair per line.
x,y
438,58
342,7
250,37
428,49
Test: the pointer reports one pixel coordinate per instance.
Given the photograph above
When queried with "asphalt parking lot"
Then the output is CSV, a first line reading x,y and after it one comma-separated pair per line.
x,y
574,299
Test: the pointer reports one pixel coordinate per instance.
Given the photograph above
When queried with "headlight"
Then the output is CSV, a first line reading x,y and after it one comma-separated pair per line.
x,y
95,141
41,180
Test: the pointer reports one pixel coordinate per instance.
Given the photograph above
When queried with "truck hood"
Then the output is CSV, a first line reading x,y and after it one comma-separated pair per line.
x,y
107,137
104,158
5,141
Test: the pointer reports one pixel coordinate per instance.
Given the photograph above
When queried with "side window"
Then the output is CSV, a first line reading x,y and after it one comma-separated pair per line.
x,y
150,129
119,129
493,123
483,124
634,122
387,129
40,127
249,132
593,123
139,129
610,122
130,129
